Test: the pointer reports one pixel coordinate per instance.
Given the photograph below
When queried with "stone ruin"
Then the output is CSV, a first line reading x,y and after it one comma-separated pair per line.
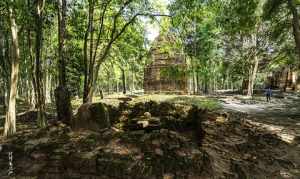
x,y
150,140
167,71
284,78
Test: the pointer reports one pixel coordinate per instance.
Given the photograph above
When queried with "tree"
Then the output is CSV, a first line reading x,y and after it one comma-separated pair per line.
x,y
128,51
115,18
10,121
287,11
196,23
117,29
5,63
244,19
41,119
63,104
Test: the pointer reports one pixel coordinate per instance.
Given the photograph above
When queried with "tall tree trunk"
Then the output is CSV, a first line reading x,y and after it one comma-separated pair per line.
x,y
47,87
254,68
4,72
194,82
101,94
296,25
190,83
252,76
33,100
286,80
91,45
214,85
62,94
32,97
38,67
294,80
206,86
250,84
198,81
5,65
108,82
132,81
227,80
32,69
85,62
117,86
88,66
123,80
10,121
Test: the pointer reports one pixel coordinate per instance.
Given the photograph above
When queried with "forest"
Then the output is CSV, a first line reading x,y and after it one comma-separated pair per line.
x,y
171,89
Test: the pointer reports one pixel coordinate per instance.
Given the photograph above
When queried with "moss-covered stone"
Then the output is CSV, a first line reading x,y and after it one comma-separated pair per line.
x,y
92,117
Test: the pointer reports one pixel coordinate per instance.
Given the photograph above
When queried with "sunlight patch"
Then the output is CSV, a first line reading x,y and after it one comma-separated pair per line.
x,y
277,130
286,137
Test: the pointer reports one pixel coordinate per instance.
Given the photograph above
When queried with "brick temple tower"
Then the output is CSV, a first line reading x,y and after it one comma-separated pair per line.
x,y
167,71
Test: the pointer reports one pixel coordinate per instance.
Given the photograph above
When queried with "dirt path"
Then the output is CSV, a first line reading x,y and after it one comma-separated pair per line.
x,y
280,116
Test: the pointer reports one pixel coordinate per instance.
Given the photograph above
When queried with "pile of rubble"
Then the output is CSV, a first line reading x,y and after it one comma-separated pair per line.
x,y
150,140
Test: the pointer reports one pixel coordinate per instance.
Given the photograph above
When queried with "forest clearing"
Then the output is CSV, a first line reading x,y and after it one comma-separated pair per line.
x,y
150,89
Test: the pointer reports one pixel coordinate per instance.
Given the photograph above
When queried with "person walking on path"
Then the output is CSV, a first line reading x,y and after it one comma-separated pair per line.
x,y
268,94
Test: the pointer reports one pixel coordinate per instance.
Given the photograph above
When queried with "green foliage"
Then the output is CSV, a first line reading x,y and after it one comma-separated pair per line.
x,y
219,36
272,7
240,16
278,16
216,38
196,24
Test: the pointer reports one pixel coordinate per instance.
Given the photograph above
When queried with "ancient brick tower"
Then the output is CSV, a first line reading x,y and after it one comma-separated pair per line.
x,y
167,71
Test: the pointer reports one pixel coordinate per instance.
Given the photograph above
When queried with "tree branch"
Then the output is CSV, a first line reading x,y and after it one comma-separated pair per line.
x,y
101,29
113,37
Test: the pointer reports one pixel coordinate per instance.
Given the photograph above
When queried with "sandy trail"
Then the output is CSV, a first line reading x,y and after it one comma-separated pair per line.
x,y
281,116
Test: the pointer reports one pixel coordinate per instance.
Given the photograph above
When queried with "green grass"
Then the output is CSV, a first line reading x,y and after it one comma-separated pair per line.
x,y
200,101
109,99
207,103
